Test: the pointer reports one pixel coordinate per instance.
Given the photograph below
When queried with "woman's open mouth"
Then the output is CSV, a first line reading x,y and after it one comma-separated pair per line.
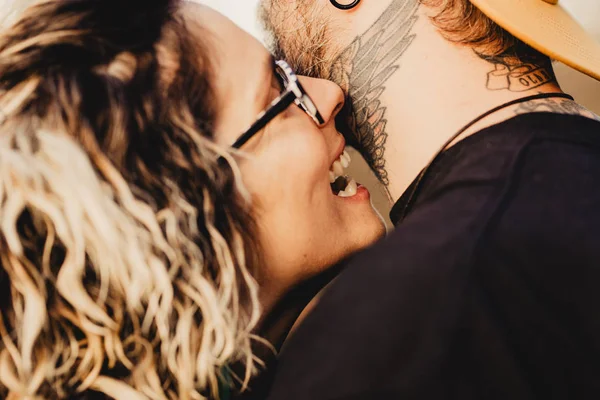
x,y
341,184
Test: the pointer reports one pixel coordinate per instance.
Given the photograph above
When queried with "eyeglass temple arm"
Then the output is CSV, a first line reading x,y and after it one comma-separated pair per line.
x,y
277,107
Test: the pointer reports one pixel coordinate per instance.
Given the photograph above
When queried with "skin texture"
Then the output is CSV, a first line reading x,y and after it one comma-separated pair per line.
x,y
304,228
410,85
362,68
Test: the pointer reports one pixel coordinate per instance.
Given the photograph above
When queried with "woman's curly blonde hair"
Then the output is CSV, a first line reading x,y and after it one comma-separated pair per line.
x,y
126,248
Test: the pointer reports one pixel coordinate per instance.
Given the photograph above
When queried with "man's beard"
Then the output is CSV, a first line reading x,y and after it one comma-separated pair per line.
x,y
297,32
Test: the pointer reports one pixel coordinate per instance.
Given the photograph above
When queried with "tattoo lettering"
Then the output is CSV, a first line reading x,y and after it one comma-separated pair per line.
x,y
363,69
558,106
519,68
518,78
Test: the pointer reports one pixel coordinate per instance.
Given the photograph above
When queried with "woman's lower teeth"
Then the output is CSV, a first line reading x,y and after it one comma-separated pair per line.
x,y
350,190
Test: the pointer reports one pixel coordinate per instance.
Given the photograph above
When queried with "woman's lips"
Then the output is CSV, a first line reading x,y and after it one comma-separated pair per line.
x,y
361,193
350,189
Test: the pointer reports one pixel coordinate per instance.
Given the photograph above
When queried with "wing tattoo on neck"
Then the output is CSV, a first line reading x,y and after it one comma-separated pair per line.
x,y
362,69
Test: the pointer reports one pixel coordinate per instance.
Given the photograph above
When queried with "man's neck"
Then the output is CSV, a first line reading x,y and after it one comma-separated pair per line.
x,y
435,89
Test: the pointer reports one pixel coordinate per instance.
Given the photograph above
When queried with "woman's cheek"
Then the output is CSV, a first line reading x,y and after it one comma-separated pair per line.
x,y
310,151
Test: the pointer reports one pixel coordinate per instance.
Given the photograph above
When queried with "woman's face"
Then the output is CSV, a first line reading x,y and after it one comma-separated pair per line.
x,y
303,225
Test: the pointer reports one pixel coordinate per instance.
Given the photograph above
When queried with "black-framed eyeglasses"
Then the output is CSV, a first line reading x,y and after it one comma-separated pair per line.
x,y
291,92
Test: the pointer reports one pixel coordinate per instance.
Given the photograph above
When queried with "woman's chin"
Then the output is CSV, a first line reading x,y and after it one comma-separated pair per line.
x,y
367,225
374,231
363,218
365,232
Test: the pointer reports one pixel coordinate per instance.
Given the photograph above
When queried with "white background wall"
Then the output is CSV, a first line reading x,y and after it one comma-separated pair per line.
x,y
242,12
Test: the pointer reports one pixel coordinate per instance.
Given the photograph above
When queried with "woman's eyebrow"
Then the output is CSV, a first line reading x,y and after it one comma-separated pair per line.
x,y
268,68
272,70
264,76
271,77
272,63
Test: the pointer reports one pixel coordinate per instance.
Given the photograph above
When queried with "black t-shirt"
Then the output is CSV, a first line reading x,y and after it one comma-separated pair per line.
x,y
488,289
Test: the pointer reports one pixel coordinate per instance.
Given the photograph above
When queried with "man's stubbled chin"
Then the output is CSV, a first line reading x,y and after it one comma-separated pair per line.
x,y
297,31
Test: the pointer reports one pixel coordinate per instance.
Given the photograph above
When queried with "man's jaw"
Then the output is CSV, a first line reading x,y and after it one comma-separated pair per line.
x,y
297,31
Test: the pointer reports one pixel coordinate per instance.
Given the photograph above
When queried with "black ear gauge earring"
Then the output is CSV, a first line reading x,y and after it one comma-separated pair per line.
x,y
345,6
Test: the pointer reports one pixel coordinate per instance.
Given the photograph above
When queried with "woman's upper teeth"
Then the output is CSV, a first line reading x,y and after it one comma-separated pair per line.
x,y
337,169
345,159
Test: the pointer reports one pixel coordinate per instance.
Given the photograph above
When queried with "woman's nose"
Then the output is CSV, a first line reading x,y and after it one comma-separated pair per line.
x,y
327,96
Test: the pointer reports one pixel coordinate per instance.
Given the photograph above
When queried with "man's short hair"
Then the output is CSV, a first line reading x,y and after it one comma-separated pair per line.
x,y
459,21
